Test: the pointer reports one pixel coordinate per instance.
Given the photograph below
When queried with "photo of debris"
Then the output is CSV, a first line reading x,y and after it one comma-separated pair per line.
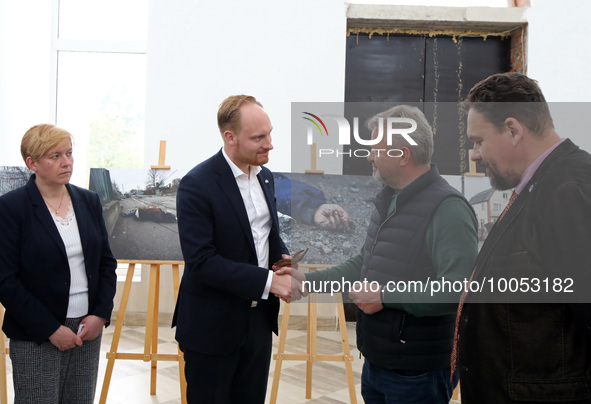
x,y
13,177
139,207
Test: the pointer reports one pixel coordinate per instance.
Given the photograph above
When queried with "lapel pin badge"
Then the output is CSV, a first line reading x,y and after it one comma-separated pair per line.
x,y
266,181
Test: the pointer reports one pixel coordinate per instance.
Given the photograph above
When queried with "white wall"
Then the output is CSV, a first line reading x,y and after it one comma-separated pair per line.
x,y
201,52
281,52
558,49
559,56
25,55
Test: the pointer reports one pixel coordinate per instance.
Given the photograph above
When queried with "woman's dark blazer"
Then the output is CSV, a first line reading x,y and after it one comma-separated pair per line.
x,y
34,270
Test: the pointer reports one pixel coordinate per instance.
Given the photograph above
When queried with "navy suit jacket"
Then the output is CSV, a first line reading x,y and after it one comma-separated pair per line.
x,y
34,270
221,276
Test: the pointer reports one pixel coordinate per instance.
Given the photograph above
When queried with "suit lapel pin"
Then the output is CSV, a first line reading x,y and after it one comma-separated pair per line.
x,y
531,187
266,181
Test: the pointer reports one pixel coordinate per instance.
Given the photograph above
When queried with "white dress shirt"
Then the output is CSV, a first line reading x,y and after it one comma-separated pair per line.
x,y
258,212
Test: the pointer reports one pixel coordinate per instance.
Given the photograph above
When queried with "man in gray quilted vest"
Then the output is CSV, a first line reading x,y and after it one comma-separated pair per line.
x,y
422,231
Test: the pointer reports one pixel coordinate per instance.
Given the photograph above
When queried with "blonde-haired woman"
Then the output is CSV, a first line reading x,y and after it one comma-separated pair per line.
x,y
57,275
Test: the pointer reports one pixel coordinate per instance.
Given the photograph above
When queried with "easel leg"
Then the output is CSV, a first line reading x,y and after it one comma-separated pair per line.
x,y
117,334
346,351
176,285
151,341
456,393
280,352
155,332
3,383
311,346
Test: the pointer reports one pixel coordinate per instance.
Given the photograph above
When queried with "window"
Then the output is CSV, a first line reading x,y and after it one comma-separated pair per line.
x,y
497,207
100,81
99,84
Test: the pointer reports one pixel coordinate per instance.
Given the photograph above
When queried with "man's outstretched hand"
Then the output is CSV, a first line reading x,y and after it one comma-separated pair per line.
x,y
296,279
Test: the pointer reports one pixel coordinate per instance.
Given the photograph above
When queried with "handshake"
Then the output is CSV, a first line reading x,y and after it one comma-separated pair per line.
x,y
287,283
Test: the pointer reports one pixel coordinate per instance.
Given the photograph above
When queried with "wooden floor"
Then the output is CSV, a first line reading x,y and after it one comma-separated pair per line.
x,y
130,383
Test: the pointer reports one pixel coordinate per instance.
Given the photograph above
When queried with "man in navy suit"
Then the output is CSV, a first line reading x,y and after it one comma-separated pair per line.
x,y
229,232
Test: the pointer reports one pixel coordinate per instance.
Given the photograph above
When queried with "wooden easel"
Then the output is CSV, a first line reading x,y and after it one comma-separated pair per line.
x,y
3,352
311,354
313,169
151,338
161,158
472,167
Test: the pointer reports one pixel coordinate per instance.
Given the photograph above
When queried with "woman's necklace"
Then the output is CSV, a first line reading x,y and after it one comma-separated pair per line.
x,y
59,206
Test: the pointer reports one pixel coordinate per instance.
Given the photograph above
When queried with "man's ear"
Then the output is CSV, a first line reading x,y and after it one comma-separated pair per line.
x,y
230,137
405,156
516,129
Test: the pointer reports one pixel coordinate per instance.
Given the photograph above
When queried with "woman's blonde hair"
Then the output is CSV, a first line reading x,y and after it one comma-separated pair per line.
x,y
40,138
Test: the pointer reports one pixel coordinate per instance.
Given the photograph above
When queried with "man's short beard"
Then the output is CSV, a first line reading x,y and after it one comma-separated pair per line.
x,y
501,183
498,183
378,177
